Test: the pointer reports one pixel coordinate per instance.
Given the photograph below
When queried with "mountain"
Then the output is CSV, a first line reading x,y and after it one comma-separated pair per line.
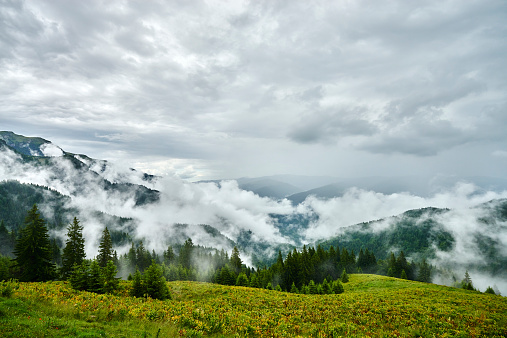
x,y
297,188
30,146
431,234
267,187
161,211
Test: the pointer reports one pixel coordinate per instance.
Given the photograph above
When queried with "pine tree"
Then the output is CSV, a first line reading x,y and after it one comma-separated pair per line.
x,y
74,251
403,274
294,289
312,288
95,281
109,280
186,254
105,249
490,290
137,289
327,288
79,277
242,280
344,277
337,287
6,241
424,273
155,283
169,256
235,260
56,253
33,250
467,282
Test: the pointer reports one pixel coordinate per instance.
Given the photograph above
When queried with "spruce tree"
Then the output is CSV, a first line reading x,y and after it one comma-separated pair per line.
x,y
105,249
293,288
155,283
95,281
33,250
80,275
490,290
235,260
337,287
344,277
186,254
138,289
312,288
424,273
74,252
110,282
242,280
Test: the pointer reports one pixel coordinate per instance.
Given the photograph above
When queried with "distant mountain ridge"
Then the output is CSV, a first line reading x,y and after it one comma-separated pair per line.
x,y
291,186
431,233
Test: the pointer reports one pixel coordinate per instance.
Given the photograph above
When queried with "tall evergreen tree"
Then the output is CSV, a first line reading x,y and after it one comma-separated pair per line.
x,y
236,260
105,249
186,254
74,251
155,283
33,250
109,279
424,273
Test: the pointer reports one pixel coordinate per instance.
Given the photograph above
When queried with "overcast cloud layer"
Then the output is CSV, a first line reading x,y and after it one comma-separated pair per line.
x,y
216,89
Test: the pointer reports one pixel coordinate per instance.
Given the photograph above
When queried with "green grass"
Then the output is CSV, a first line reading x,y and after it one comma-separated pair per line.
x,y
374,306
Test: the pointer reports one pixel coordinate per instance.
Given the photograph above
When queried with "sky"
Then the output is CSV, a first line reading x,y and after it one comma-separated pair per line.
x,y
225,89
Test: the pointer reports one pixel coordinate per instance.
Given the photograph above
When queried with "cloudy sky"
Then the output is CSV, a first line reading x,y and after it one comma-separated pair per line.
x,y
224,89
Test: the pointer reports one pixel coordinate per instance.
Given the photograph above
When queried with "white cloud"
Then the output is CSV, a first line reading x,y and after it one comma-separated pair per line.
x,y
49,149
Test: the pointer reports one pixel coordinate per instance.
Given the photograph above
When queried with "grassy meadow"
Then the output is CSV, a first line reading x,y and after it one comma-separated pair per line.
x,y
374,306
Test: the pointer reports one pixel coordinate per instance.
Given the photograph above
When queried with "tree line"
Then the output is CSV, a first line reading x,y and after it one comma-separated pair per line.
x,y
309,270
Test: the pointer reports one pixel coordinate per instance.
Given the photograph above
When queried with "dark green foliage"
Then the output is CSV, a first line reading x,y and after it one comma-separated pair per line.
x,y
73,253
33,250
186,254
56,253
95,281
155,284
337,287
294,289
7,240
105,249
138,289
312,288
226,276
424,272
143,257
80,276
16,198
169,256
490,290
242,280
406,231
89,276
403,274
235,260
5,268
110,282
345,276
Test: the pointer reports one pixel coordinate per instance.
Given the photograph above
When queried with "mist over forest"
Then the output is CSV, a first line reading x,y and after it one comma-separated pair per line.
x,y
166,210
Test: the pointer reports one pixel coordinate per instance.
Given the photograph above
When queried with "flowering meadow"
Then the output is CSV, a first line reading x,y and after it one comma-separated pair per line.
x,y
371,306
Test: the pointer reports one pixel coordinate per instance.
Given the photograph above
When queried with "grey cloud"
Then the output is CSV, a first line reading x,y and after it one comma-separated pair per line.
x,y
362,77
330,126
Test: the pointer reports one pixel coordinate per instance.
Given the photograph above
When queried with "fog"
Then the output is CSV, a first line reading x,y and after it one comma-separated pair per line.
x,y
232,210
